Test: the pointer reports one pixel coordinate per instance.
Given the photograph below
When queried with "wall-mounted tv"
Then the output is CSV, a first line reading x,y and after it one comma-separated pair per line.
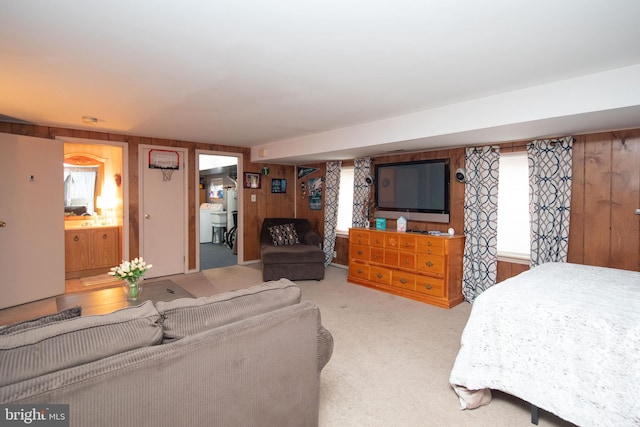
x,y
417,190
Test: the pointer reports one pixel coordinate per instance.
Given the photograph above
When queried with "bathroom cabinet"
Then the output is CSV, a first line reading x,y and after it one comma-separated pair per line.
x,y
91,250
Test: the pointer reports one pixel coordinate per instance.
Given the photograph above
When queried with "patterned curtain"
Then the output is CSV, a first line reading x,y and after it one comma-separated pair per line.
x,y
332,192
361,193
480,221
549,199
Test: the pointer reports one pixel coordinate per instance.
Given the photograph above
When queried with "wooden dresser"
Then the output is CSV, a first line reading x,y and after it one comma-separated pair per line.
x,y
413,265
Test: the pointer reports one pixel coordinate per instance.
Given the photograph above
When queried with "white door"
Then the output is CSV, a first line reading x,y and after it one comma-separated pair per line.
x,y
163,216
31,219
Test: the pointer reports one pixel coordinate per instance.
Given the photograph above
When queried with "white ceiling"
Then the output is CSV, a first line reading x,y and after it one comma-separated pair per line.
x,y
303,81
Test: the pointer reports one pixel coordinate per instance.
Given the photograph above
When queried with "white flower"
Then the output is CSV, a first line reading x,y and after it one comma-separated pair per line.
x,y
130,270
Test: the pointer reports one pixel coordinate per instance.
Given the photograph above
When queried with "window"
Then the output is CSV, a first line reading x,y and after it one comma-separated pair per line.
x,y
513,207
345,200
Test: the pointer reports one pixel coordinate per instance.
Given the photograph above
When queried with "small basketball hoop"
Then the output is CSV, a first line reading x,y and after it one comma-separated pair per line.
x,y
166,174
165,160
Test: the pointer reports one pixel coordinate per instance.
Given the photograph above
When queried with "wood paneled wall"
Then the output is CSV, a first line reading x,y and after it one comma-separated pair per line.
x,y
604,231
605,193
267,204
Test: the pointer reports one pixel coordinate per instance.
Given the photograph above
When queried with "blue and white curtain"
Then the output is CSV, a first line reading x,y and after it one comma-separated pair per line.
x,y
332,193
480,221
361,192
549,199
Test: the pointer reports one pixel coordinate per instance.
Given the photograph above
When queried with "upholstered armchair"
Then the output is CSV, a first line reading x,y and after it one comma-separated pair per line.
x,y
290,249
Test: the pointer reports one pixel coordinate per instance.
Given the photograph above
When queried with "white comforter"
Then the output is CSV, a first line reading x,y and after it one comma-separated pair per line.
x,y
564,337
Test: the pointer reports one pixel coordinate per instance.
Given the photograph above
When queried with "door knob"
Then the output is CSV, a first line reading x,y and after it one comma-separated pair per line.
x,y
147,216
3,224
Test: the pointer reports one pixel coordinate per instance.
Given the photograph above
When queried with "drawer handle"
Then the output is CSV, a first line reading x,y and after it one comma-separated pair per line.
x,y
428,264
376,256
428,242
403,281
406,244
428,287
406,260
379,276
359,252
377,241
429,251
104,236
76,238
360,271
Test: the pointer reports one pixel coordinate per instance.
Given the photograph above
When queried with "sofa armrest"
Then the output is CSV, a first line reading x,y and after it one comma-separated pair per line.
x,y
312,238
325,346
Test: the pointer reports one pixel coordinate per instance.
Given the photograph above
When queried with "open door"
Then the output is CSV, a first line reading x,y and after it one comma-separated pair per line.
x,y
31,219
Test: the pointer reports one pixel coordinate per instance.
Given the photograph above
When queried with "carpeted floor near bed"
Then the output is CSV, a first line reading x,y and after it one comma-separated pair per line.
x,y
392,357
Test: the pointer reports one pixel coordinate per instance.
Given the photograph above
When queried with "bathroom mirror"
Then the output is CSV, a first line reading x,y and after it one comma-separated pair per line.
x,y
83,177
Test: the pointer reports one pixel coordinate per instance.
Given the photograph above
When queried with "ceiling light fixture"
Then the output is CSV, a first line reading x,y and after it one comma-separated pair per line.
x,y
90,120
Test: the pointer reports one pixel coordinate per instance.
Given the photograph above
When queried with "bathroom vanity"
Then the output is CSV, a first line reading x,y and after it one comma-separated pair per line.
x,y
91,249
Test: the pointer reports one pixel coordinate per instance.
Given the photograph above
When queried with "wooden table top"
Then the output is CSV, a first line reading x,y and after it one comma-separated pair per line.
x,y
103,301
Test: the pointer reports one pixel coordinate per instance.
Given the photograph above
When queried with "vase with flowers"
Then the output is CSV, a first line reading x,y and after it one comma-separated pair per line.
x,y
132,274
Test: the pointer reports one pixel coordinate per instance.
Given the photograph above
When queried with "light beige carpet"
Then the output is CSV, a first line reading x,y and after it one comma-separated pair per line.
x,y
392,357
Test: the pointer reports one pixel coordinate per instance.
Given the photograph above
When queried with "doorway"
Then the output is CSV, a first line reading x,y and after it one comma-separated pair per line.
x,y
94,213
218,204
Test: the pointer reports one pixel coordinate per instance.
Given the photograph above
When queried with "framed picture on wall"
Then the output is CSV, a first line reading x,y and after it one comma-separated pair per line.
x,y
251,180
278,185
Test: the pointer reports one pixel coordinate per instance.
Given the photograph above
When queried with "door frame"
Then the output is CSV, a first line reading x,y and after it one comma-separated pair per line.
x,y
240,225
125,182
184,152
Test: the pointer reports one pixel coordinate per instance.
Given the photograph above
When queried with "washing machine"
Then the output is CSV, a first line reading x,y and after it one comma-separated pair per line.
x,y
206,209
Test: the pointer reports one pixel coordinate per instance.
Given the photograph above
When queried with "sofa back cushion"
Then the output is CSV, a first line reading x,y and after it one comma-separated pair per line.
x,y
187,316
46,348
69,313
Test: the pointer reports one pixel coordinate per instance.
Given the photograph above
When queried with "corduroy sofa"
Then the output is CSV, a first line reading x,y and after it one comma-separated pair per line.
x,y
245,358
290,249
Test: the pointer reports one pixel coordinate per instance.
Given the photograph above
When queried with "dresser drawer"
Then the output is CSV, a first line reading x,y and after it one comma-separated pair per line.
x,y
377,239
377,255
430,245
380,275
430,286
430,264
359,252
407,260
391,240
358,237
403,280
390,257
360,271
407,243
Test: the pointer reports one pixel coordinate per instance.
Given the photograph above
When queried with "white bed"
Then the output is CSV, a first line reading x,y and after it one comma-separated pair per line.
x,y
563,337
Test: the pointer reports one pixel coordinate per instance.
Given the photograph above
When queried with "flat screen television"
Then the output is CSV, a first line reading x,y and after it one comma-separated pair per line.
x,y
417,190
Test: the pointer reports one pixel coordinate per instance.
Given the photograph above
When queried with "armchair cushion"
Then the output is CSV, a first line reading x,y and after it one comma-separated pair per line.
x,y
284,234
